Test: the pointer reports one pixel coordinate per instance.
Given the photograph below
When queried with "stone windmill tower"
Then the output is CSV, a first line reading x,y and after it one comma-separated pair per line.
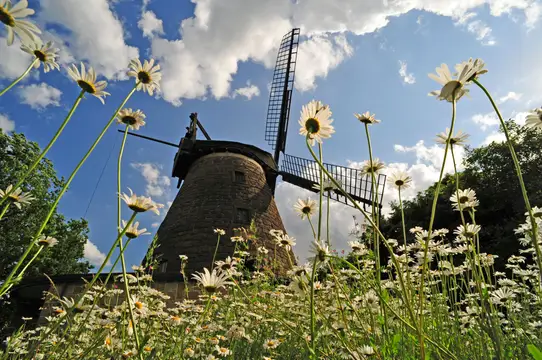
x,y
228,184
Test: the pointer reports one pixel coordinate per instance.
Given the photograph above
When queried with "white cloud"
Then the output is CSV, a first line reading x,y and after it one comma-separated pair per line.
x,y
482,32
6,124
317,56
495,136
221,34
40,96
248,91
150,24
14,61
485,120
93,254
157,184
510,96
408,78
96,33
532,14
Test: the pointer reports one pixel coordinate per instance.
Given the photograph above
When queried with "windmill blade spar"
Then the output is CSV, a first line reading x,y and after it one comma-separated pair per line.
x,y
305,173
280,98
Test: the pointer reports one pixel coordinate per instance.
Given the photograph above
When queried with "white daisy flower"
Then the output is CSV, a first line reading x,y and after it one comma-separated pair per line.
x,y
132,231
459,139
316,122
140,203
375,166
451,87
534,119
147,75
17,196
464,199
133,119
11,16
47,241
367,118
87,81
469,230
305,208
211,281
219,232
46,54
320,250
400,180
286,242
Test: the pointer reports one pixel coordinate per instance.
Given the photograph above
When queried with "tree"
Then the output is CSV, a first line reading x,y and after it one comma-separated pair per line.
x,y
18,227
489,171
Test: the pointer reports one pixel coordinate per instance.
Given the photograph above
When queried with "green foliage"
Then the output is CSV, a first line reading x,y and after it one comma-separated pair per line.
x,y
535,353
489,171
18,227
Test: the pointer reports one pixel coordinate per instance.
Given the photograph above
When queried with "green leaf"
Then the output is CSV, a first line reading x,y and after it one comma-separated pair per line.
x,y
535,353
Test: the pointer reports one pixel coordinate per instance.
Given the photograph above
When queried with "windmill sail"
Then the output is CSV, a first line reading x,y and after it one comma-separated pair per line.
x,y
305,173
278,111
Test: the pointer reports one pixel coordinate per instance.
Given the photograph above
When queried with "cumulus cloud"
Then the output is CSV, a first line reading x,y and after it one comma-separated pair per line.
x,y
408,78
93,254
150,24
510,96
485,121
96,34
222,34
157,184
40,96
14,61
6,124
248,91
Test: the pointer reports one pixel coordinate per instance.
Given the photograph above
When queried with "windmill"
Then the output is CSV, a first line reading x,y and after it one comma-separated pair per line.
x,y
228,185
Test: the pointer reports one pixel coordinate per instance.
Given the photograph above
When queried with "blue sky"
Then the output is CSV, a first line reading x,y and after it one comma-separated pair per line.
x,y
217,59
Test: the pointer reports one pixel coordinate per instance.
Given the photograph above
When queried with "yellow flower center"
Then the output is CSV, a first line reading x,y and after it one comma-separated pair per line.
x,y
6,17
129,120
538,214
463,199
284,242
137,208
210,288
107,341
312,125
144,77
306,210
86,86
13,198
138,305
43,242
131,234
147,348
399,182
40,55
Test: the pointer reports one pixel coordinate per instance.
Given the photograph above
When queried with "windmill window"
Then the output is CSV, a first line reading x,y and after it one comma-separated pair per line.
x,y
239,177
163,267
243,215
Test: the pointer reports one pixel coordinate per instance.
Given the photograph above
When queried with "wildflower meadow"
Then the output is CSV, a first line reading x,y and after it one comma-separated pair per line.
x,y
437,297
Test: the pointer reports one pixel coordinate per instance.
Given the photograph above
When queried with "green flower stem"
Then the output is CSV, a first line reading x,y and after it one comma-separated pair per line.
x,y
321,194
313,313
327,221
312,227
128,298
430,229
20,77
4,210
47,148
429,340
520,178
214,255
89,285
369,219
119,166
122,260
64,189
405,240
457,186
20,275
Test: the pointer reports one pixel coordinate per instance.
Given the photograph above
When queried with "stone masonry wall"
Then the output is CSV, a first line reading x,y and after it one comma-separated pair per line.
x,y
210,198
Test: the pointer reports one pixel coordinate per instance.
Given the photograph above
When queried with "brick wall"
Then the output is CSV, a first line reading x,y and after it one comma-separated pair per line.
x,y
211,197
